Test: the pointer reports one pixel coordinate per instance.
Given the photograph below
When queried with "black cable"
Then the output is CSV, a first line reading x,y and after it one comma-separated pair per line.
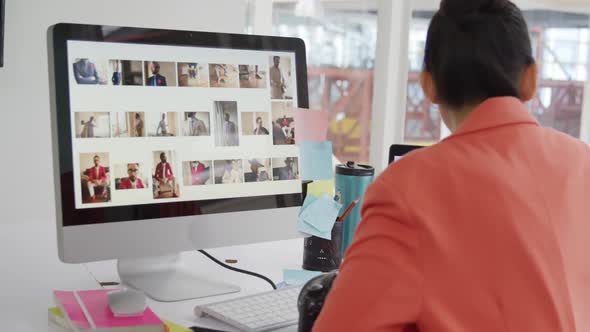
x,y
235,269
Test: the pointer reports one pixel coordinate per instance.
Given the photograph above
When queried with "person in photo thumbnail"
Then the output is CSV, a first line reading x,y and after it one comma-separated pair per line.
x,y
251,77
156,79
97,180
228,171
85,72
260,130
116,78
277,80
193,74
283,123
164,176
232,172
223,76
199,173
230,131
88,129
139,126
132,181
259,171
162,129
288,172
196,127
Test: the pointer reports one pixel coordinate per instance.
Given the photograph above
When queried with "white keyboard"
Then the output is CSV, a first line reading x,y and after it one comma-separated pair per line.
x,y
257,313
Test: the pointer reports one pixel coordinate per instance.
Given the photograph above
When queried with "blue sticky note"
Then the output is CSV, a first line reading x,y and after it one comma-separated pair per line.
x,y
298,277
316,160
319,216
307,202
308,229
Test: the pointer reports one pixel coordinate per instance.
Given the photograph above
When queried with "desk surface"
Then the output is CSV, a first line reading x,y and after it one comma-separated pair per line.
x,y
31,271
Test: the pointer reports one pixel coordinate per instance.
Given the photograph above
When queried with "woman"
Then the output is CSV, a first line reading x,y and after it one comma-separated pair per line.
x,y
488,230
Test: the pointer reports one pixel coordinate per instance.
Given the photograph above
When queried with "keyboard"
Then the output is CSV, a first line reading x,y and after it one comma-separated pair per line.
x,y
257,313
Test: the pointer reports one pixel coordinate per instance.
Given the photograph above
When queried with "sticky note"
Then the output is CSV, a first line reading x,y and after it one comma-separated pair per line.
x,y
319,216
310,125
316,161
298,277
318,188
172,327
305,228
307,202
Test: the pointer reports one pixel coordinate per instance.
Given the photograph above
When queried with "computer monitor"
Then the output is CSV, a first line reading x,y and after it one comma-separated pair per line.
x,y
168,141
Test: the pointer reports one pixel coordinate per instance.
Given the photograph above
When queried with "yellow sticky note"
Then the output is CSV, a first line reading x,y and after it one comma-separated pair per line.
x,y
318,188
175,327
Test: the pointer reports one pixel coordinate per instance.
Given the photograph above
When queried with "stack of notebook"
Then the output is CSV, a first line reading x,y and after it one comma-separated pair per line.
x,y
89,311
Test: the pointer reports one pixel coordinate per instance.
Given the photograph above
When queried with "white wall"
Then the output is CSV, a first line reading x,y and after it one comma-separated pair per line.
x,y
26,176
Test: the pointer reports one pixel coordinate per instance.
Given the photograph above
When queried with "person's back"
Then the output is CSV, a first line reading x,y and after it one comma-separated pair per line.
x,y
485,231
515,248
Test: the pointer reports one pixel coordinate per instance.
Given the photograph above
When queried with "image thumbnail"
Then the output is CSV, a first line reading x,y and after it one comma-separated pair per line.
x,y
257,170
193,74
137,123
130,176
90,71
223,76
197,173
283,123
164,180
92,124
196,124
285,168
94,177
162,124
255,123
226,123
228,171
281,80
253,77
160,73
125,72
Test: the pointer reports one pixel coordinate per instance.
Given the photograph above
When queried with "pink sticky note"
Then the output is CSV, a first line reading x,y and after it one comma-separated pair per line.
x,y
310,125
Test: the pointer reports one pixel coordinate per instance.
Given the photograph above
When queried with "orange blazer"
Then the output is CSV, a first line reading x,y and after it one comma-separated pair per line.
x,y
487,231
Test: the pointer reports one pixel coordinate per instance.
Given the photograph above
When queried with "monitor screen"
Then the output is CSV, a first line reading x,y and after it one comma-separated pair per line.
x,y
157,124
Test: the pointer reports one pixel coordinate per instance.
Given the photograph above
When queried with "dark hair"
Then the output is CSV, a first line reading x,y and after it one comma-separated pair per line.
x,y
258,118
477,49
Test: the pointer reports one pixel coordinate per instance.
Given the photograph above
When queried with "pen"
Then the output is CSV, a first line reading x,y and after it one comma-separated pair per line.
x,y
350,207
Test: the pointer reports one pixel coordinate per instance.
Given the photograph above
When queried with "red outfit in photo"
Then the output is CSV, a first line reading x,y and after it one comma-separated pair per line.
x,y
126,184
94,174
197,173
164,171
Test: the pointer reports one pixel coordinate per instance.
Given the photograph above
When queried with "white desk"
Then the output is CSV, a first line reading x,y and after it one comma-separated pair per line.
x,y
31,270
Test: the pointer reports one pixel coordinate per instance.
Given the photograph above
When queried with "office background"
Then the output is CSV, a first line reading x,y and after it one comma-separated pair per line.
x,y
363,60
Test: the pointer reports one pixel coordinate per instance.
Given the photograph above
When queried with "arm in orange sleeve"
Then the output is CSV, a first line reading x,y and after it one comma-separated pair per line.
x,y
379,286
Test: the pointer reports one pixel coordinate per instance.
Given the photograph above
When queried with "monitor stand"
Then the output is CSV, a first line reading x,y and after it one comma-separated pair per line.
x,y
168,279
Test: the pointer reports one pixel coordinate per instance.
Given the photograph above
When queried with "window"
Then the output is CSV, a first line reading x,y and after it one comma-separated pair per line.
x,y
561,45
341,43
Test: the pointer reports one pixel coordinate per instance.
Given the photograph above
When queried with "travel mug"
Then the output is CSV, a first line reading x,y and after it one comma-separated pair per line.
x,y
352,181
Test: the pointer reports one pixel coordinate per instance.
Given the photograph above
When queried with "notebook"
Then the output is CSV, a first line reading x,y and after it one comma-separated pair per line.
x,y
89,311
58,319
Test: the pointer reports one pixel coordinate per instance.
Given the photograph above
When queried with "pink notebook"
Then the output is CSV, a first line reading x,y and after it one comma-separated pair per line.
x,y
101,317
